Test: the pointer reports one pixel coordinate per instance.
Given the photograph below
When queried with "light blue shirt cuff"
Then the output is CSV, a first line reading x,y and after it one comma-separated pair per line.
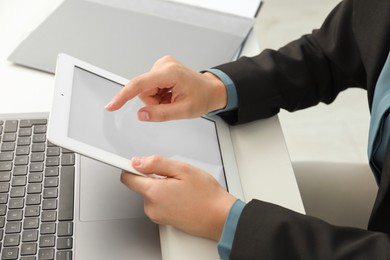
x,y
232,99
229,229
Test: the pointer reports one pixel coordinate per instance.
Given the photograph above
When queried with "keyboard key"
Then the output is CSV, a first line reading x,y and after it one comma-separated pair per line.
x,y
48,216
23,141
34,188
32,211
30,236
16,203
68,159
10,253
11,240
51,171
17,192
30,223
65,229
9,137
46,254
4,187
13,227
20,170
15,215
7,147
48,228
37,157
5,176
5,166
66,150
39,138
53,151
11,126
49,204
38,147
31,122
33,199
3,198
36,167
64,255
3,210
65,207
28,249
6,156
50,144
40,129
50,182
28,258
64,243
52,161
22,150
50,193
35,177
2,221
21,160
25,132
47,241
19,181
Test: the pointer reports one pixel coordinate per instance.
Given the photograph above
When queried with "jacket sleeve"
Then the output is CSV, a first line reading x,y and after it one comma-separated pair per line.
x,y
312,69
267,231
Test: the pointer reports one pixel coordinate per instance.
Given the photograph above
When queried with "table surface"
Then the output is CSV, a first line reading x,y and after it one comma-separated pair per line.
x,y
262,157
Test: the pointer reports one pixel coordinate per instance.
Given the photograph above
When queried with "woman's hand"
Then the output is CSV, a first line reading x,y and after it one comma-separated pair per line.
x,y
187,198
172,91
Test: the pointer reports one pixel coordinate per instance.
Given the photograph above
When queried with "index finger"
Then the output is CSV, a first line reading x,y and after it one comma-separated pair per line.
x,y
143,83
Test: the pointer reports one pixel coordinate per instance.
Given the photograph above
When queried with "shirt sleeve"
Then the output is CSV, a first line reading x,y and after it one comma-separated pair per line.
x,y
229,229
232,102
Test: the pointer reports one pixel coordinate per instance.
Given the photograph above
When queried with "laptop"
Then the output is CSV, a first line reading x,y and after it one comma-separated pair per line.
x,y
126,36
55,204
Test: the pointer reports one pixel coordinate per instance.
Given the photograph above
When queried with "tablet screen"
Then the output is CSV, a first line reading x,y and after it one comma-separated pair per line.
x,y
194,141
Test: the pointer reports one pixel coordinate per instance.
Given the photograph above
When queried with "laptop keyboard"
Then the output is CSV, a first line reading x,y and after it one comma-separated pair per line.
x,y
36,193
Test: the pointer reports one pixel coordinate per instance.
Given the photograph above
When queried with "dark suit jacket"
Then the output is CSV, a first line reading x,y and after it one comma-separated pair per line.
x,y
349,50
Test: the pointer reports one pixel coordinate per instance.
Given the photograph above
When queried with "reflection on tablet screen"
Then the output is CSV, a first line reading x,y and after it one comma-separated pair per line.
x,y
194,141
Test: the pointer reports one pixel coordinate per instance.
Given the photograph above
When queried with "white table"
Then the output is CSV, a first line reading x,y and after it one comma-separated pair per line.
x,y
261,152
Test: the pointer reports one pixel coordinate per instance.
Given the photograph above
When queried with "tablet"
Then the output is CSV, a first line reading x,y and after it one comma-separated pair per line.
x,y
79,122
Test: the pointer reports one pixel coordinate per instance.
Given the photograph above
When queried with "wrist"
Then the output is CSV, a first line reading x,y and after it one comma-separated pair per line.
x,y
218,97
221,211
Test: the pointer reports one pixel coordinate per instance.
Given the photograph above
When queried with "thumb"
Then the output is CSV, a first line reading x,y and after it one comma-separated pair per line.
x,y
157,164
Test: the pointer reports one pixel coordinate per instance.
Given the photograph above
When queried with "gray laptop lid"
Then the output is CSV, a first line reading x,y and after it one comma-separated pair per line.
x,y
127,38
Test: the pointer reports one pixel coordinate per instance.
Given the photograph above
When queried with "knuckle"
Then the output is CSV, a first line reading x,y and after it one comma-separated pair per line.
x,y
162,115
122,178
151,213
163,60
154,159
136,81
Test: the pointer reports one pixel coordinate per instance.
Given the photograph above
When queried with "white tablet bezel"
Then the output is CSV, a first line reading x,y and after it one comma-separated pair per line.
x,y
58,124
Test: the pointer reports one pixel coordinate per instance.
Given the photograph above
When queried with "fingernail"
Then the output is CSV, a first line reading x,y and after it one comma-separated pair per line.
x,y
108,106
136,161
144,116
